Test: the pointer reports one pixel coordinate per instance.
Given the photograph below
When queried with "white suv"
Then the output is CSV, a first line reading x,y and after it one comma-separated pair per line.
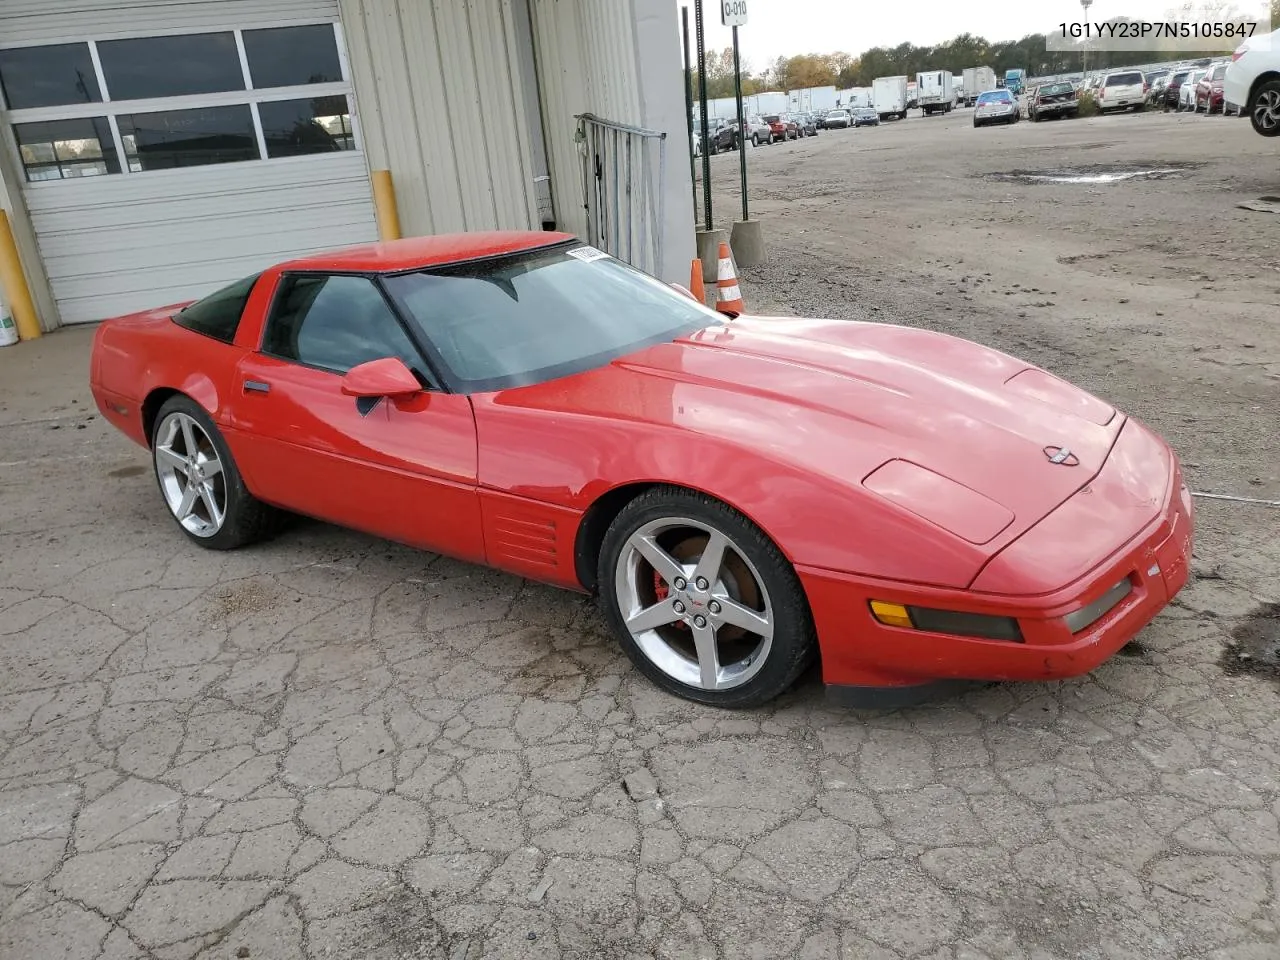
x,y
1120,91
1253,82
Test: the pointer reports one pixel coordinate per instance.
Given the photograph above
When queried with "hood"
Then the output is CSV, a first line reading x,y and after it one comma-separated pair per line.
x,y
956,433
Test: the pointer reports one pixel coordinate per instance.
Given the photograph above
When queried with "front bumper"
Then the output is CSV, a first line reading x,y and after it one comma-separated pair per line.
x,y
860,653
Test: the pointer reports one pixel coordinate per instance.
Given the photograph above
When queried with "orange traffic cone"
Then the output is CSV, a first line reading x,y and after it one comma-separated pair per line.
x,y
728,294
696,287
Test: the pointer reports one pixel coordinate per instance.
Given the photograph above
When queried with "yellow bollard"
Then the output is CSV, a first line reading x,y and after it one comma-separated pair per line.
x,y
14,283
384,202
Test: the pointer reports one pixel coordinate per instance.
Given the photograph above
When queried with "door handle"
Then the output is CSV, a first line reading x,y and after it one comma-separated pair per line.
x,y
256,386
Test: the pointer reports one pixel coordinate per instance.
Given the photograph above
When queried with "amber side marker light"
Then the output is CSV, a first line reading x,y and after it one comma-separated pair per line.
x,y
946,621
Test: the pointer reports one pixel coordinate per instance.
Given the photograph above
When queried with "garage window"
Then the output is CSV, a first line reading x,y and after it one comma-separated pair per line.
x,y
294,127
149,67
48,76
292,56
186,100
188,138
63,149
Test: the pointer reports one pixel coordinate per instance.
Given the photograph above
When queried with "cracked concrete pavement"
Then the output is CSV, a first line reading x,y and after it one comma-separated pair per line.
x,y
331,746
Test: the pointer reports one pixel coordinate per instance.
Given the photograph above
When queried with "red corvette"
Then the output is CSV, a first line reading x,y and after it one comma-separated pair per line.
x,y
745,494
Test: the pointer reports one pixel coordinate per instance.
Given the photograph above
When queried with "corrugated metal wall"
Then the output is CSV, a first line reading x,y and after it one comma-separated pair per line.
x,y
440,107
587,64
44,21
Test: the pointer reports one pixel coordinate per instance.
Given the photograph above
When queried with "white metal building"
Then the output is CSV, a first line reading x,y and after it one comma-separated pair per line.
x,y
154,150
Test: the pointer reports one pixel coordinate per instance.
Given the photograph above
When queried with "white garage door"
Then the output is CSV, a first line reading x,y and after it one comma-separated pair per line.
x,y
171,148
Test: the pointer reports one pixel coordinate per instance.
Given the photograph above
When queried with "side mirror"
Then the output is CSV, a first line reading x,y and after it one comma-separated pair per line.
x,y
388,377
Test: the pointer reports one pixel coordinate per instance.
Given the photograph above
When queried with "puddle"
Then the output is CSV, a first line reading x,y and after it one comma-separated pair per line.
x,y
1093,174
1255,645
128,472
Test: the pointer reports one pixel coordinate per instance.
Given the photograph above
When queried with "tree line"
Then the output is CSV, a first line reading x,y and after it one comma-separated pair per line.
x,y
843,70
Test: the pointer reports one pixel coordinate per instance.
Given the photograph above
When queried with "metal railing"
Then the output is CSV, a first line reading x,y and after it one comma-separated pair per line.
x,y
623,167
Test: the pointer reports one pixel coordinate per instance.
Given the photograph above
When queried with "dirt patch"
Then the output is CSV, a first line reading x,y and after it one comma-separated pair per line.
x,y
1255,645
128,472
237,599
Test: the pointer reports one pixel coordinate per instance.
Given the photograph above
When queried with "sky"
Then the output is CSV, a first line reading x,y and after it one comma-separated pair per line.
x,y
789,27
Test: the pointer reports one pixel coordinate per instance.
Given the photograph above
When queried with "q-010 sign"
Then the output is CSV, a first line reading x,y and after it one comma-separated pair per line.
x,y
733,13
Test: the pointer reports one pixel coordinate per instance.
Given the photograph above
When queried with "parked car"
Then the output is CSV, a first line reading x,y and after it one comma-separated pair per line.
x,y
780,127
1122,91
1053,100
1169,90
1187,92
1209,91
866,117
807,124
996,106
838,120
724,136
1253,83
806,497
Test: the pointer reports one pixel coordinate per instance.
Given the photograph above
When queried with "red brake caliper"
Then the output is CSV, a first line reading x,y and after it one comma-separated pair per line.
x,y
661,591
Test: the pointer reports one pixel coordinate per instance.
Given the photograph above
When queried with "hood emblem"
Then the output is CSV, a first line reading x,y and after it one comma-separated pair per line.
x,y
1061,456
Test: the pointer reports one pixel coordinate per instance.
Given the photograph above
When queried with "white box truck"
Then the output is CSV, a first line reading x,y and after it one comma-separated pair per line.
x,y
889,97
977,80
936,92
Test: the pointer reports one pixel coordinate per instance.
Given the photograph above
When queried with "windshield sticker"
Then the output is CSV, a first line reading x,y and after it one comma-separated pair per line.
x,y
588,254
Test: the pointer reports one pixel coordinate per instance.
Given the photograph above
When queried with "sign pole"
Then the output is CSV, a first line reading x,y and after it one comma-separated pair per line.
x,y
688,102
702,99
742,124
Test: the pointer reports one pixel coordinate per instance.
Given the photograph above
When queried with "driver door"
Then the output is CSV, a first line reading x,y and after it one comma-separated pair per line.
x,y
402,468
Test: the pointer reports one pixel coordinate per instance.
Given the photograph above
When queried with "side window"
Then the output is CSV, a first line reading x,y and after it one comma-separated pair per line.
x,y
218,315
335,323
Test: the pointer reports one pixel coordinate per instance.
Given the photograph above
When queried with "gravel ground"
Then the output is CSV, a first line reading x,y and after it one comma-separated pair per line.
x,y
330,746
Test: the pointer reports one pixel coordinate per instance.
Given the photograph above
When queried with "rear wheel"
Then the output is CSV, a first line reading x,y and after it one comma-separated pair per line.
x,y
703,603
200,483
1264,111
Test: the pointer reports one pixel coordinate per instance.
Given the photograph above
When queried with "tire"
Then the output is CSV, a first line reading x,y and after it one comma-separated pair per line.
x,y
184,431
753,577
1264,109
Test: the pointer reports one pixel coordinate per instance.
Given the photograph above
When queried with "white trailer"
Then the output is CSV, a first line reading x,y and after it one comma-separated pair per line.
x,y
889,97
822,100
977,80
853,98
936,92
771,102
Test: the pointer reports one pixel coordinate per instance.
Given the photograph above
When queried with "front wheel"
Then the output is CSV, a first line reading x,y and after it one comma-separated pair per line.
x,y
200,482
704,603
1264,111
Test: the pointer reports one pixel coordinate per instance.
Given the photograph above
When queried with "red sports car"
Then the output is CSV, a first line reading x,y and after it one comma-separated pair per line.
x,y
744,493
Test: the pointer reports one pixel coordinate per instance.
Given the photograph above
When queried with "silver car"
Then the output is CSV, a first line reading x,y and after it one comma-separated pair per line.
x,y
996,106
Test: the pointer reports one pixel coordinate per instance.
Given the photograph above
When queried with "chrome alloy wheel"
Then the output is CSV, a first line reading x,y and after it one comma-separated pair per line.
x,y
1266,112
694,604
190,474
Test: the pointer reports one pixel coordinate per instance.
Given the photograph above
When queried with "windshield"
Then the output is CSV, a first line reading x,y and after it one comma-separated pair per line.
x,y
995,96
542,314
